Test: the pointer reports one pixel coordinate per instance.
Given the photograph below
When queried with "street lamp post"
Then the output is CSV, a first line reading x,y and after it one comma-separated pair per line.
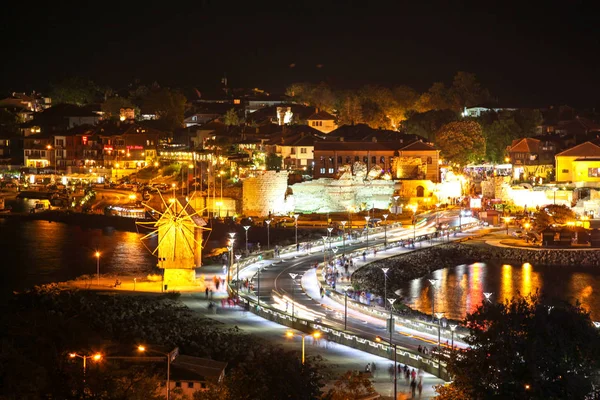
x,y
246,227
367,218
230,248
385,216
433,283
258,281
329,235
346,309
385,270
293,276
324,250
95,357
452,329
391,301
237,271
439,316
344,236
268,222
315,335
296,225
97,254
392,345
169,355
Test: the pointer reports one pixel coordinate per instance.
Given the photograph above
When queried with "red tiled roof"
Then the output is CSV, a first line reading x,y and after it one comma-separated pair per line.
x,y
587,149
525,145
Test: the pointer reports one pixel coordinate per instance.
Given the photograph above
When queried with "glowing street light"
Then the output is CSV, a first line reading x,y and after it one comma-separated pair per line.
x,y
94,357
268,222
169,355
329,235
293,276
97,255
452,329
385,270
488,296
246,227
391,301
315,335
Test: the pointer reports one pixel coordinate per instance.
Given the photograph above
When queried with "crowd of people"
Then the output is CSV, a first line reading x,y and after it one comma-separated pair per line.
x,y
412,378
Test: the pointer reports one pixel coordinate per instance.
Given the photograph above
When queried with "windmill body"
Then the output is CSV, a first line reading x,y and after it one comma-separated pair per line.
x,y
179,230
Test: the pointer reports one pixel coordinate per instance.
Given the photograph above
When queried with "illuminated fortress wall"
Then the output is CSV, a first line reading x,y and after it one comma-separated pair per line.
x,y
267,193
331,195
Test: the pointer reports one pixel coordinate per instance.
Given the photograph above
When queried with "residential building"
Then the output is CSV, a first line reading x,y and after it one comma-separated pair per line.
x,y
129,145
295,145
60,118
322,121
37,151
579,164
530,151
415,160
191,374
199,119
531,157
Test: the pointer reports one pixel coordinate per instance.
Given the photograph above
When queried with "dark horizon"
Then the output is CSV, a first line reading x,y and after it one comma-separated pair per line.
x,y
527,56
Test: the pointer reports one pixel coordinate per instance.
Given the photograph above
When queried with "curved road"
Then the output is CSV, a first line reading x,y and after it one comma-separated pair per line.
x,y
276,278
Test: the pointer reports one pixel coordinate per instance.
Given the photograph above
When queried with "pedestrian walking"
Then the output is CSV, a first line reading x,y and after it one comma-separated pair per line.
x,y
391,372
413,388
413,374
368,368
373,368
206,293
420,388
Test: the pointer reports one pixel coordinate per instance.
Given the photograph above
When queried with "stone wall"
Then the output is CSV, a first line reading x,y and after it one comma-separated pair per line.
x,y
331,195
266,194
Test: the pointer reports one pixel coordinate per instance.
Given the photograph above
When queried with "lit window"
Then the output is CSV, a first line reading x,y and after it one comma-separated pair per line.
x,y
322,170
330,170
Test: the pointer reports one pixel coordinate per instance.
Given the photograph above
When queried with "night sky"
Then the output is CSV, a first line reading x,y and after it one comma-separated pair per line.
x,y
527,55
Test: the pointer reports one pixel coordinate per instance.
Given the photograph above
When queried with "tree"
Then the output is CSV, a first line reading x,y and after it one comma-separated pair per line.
x,y
274,373
528,120
169,106
273,161
428,123
112,107
349,109
466,91
521,349
350,386
552,214
232,118
76,91
436,98
320,96
461,142
499,135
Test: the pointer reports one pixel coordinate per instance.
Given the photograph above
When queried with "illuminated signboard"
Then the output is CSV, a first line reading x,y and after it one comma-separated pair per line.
x,y
108,148
135,147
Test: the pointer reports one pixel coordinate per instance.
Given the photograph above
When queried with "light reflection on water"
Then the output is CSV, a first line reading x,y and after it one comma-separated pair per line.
x,y
459,290
36,252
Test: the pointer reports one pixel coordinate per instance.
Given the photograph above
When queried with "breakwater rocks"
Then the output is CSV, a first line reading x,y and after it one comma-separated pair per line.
x,y
421,262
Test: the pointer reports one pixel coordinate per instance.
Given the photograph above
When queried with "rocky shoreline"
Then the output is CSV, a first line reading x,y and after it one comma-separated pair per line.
x,y
419,263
